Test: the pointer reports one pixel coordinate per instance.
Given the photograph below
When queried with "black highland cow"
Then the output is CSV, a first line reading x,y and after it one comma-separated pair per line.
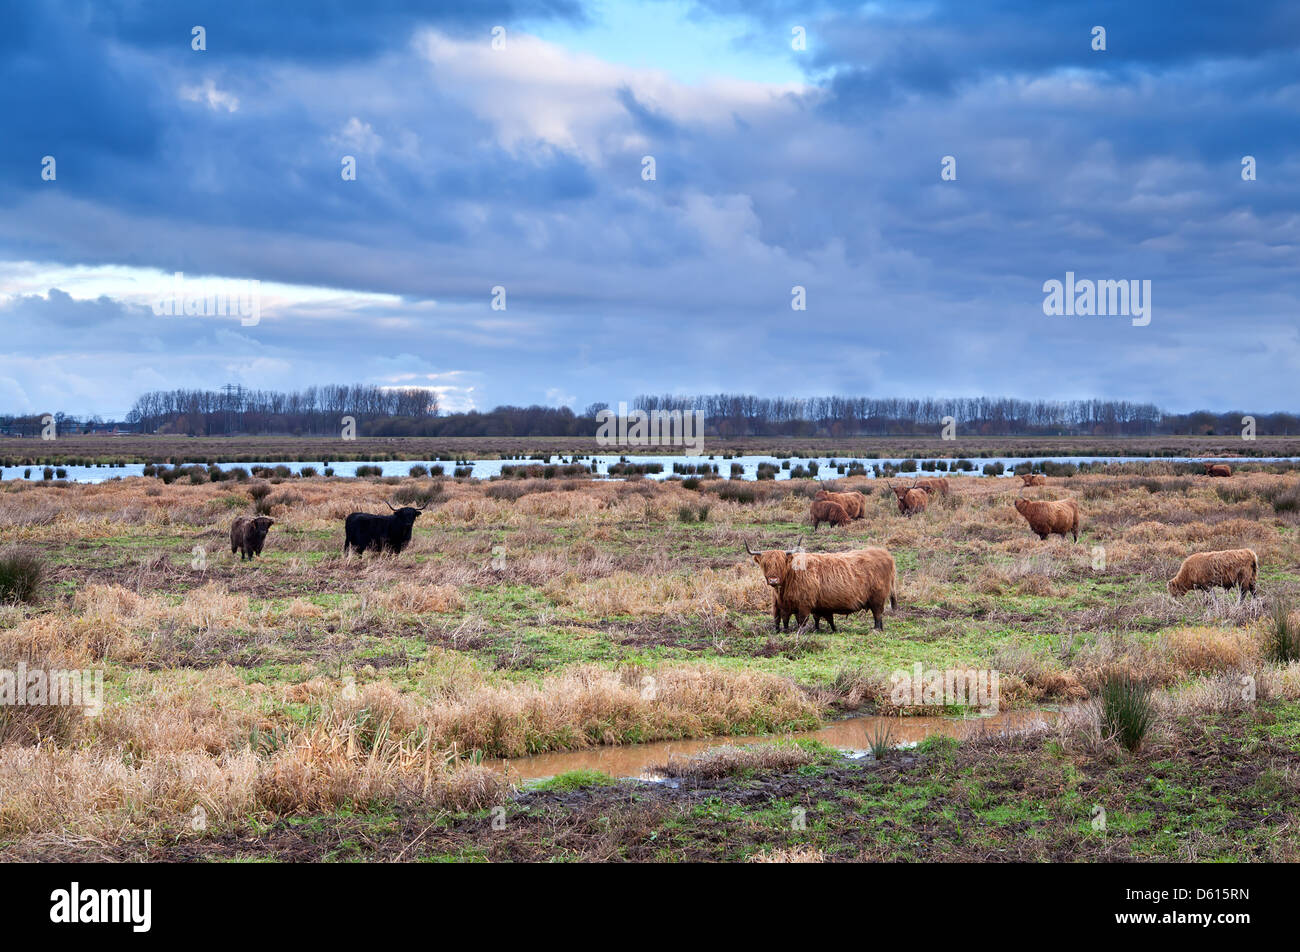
x,y
363,531
247,535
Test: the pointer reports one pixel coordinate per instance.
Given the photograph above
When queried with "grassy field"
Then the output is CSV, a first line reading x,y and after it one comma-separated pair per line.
x,y
311,706
30,451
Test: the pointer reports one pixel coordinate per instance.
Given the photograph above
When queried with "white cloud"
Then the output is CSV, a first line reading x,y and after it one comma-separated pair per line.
x,y
208,93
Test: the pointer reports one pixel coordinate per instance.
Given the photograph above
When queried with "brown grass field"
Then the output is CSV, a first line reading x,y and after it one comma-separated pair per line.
x,y
311,706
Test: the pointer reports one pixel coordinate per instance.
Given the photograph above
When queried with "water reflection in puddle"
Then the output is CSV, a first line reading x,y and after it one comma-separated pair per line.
x,y
853,735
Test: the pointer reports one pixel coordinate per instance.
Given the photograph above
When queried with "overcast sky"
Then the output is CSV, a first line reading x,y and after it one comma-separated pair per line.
x,y
775,167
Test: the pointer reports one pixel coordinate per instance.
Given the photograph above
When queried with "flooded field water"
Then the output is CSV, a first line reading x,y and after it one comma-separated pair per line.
x,y
828,467
853,735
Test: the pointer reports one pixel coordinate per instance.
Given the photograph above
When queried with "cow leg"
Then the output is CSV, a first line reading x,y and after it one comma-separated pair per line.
x,y
831,618
879,616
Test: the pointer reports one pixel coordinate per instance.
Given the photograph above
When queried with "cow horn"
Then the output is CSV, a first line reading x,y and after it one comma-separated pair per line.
x,y
390,505
421,508
798,545
748,549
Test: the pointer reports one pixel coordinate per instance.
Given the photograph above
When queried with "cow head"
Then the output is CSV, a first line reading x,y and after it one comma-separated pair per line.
x,y
259,527
775,563
1175,588
407,514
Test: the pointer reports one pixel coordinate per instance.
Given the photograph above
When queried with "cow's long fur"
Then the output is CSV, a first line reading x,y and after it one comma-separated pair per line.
x,y
248,535
1047,517
1218,469
934,485
1033,479
910,500
823,584
827,510
1239,567
853,502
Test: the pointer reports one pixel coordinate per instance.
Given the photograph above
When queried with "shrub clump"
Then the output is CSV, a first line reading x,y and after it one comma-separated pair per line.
x,y
21,574
1126,710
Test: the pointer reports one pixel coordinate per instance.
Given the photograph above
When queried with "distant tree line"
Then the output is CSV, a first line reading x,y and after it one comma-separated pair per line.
x,y
384,411
312,411
730,415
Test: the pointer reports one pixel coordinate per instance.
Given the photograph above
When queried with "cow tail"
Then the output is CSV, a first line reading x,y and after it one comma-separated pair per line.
x,y
893,588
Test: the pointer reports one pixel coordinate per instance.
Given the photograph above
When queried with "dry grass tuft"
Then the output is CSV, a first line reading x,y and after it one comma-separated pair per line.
x,y
793,854
726,761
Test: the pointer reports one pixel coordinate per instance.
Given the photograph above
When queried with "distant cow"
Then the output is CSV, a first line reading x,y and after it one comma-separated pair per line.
x,y
1239,567
934,485
363,531
247,535
819,585
1033,479
827,510
853,502
1218,469
1046,517
910,499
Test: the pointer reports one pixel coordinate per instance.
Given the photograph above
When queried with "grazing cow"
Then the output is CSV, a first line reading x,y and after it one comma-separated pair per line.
x,y
934,485
247,535
363,530
1033,479
1046,517
819,585
1239,567
826,510
1218,469
910,500
853,502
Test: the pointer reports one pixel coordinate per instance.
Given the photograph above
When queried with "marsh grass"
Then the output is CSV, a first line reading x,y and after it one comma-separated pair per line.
x,y
21,574
1127,711
1282,634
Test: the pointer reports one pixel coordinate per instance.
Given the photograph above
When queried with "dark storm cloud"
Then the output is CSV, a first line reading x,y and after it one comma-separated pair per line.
x,y
525,171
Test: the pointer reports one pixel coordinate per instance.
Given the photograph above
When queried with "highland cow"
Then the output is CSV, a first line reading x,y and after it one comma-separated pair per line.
x,y
910,500
1218,469
820,585
853,502
1046,517
248,535
826,510
1033,479
1239,567
363,531
934,485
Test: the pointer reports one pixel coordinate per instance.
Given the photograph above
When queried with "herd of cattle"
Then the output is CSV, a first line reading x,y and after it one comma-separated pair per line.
x,y
818,586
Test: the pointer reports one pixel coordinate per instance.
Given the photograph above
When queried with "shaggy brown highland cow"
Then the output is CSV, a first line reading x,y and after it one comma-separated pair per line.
x,y
853,502
1033,479
1218,469
248,535
910,500
1239,567
934,485
1050,518
826,510
819,585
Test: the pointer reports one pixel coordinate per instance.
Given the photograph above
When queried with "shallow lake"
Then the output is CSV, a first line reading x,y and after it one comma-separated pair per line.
x,y
827,466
